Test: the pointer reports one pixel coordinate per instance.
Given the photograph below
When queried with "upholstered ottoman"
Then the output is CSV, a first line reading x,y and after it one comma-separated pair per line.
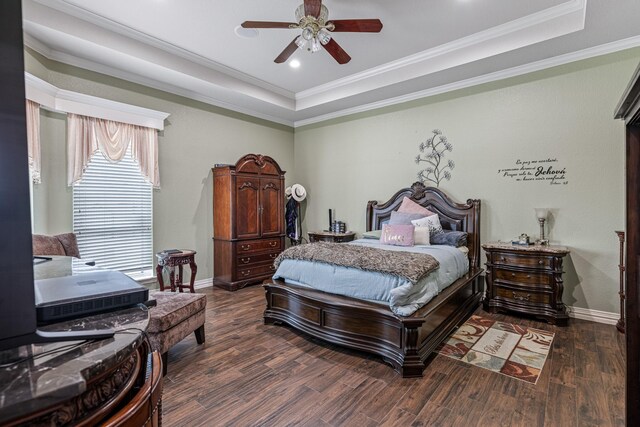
x,y
175,316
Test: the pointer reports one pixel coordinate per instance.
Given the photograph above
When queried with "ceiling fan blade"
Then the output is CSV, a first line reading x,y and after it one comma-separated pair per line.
x,y
337,52
266,24
312,7
357,25
287,52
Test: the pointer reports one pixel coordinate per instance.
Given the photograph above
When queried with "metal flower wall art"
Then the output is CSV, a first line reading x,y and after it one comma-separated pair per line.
x,y
432,153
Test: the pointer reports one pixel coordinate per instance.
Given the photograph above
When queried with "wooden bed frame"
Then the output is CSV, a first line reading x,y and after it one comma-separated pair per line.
x,y
405,342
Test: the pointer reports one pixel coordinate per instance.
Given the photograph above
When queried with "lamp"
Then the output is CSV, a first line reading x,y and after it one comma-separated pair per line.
x,y
541,214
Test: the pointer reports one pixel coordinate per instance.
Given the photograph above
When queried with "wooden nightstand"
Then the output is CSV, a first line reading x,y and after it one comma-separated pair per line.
x,y
328,236
526,279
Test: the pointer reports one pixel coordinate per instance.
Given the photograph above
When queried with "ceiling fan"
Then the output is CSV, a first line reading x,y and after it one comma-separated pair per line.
x,y
312,17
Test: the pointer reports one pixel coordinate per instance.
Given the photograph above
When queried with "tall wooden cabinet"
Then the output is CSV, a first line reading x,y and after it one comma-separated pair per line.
x,y
248,220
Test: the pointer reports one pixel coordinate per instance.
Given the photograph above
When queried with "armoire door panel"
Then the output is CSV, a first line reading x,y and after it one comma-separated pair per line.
x,y
271,200
247,207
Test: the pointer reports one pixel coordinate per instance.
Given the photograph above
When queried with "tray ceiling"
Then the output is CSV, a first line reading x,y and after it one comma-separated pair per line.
x,y
189,47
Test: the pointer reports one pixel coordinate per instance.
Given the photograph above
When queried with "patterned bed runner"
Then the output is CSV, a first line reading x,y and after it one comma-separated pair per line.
x,y
409,265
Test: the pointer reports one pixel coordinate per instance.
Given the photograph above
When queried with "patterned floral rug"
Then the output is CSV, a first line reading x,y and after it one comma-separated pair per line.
x,y
509,349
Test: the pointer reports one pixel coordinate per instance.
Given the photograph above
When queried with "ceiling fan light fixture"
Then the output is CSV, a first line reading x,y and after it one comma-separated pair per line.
x,y
324,13
315,45
324,36
301,42
307,34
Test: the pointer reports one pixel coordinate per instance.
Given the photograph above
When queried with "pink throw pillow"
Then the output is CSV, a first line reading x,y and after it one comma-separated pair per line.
x,y
408,206
397,235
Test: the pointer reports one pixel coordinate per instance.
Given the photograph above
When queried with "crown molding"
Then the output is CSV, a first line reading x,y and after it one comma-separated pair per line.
x,y
65,58
487,78
548,23
66,101
124,30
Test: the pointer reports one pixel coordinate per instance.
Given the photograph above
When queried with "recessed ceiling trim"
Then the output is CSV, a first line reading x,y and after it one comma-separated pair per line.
x,y
540,26
487,78
124,30
65,58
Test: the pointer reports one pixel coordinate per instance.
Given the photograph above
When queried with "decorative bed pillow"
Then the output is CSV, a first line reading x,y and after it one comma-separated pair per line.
x,y
411,207
374,234
398,235
433,222
403,218
421,236
450,238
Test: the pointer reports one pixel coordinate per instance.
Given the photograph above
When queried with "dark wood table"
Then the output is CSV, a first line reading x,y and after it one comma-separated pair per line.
x,y
329,236
173,260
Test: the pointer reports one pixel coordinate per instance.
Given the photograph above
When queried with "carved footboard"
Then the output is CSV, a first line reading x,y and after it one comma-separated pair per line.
x,y
405,342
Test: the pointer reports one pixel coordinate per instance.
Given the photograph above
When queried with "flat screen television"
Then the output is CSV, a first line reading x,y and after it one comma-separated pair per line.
x,y
17,295
17,306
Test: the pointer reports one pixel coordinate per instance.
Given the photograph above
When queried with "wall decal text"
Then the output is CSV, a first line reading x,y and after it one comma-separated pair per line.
x,y
540,170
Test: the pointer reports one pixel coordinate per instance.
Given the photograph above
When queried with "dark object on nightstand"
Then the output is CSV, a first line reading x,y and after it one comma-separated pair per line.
x,y
171,259
328,236
526,279
248,221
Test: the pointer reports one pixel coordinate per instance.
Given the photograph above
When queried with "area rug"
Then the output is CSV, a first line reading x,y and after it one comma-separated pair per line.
x,y
516,351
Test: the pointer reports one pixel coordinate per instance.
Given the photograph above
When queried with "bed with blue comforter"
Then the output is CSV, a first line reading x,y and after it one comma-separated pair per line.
x,y
368,309
401,295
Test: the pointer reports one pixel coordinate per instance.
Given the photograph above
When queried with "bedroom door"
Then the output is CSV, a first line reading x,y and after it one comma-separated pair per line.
x,y
629,110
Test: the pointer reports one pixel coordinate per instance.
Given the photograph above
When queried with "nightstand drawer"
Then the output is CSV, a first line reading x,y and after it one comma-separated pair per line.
x,y
522,296
522,277
529,261
248,259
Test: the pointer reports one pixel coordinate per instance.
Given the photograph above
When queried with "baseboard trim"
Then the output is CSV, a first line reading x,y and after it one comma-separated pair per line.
x,y
203,283
575,312
593,315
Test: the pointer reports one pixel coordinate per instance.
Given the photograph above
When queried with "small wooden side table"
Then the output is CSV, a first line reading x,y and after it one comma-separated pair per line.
x,y
171,260
329,236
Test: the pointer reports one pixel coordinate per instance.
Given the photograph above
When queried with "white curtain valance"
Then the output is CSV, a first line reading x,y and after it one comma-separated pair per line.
x,y
87,135
33,139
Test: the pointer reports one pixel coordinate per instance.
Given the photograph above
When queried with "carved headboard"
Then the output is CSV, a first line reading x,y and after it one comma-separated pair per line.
x,y
453,216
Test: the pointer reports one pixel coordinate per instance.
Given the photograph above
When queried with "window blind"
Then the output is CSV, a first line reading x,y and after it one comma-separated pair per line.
x,y
112,216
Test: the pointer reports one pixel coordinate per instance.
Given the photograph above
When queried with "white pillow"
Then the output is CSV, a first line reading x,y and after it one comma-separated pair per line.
x,y
433,222
421,236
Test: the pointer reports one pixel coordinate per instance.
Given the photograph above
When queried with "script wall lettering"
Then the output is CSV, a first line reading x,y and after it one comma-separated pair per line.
x,y
542,170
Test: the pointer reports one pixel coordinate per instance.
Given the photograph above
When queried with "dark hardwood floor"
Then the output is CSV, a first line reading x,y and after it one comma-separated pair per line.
x,y
251,374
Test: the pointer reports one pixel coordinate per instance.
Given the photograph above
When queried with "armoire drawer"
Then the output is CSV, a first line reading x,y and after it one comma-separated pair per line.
x,y
245,259
260,270
259,245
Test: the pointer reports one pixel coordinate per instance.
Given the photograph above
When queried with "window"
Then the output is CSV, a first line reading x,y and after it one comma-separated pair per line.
x,y
112,216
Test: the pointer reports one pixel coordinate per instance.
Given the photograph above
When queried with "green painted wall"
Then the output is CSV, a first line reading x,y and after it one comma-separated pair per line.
x,y
196,136
564,113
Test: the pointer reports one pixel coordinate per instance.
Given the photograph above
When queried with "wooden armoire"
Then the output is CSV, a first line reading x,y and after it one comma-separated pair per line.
x,y
248,220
